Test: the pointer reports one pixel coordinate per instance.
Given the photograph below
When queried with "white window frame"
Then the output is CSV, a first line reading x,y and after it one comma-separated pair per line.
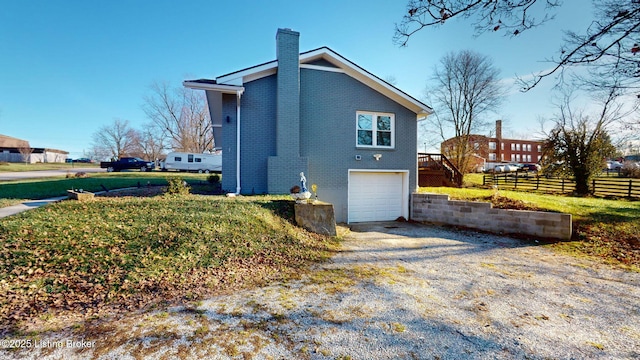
x,y
492,145
374,129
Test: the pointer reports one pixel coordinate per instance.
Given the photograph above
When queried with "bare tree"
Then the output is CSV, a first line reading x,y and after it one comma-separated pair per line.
x,y
25,152
466,86
183,115
609,44
116,140
578,143
151,141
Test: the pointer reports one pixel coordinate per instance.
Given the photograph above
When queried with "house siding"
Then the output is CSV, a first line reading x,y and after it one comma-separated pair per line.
x,y
328,105
287,164
258,131
329,102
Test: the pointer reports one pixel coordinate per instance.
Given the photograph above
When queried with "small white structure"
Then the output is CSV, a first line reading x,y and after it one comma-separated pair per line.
x,y
202,163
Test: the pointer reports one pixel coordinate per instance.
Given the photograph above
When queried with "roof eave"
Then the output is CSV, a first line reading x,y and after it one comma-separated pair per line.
x,y
223,88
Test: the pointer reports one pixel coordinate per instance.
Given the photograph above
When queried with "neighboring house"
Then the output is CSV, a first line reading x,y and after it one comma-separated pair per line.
x,y
14,150
497,149
350,132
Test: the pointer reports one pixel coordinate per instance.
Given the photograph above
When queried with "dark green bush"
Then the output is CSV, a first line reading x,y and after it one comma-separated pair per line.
x,y
213,179
178,186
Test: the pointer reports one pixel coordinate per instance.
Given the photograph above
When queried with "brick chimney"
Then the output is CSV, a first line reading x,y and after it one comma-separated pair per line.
x,y
499,129
285,167
288,93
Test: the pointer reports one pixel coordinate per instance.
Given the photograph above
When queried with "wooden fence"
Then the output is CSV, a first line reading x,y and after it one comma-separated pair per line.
x,y
608,186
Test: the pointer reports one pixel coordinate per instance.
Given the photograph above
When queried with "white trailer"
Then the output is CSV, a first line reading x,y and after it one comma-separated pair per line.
x,y
202,163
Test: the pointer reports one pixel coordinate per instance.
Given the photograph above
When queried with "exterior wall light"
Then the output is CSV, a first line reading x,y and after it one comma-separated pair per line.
x,y
377,156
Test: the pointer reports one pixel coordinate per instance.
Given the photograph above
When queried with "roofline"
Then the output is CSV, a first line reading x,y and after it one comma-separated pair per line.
x,y
426,109
237,78
223,88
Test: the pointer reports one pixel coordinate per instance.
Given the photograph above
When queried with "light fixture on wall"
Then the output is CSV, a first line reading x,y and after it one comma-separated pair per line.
x,y
377,156
228,119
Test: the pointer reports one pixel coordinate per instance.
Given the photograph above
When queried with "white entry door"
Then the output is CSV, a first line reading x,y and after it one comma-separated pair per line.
x,y
377,196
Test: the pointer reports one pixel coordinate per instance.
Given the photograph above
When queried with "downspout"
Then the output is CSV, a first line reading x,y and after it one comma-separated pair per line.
x,y
238,96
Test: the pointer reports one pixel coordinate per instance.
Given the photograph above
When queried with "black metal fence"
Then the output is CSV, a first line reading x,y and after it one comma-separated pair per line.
x,y
602,186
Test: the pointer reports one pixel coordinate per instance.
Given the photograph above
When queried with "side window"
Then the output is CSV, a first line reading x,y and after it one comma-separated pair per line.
x,y
375,129
177,158
198,160
190,158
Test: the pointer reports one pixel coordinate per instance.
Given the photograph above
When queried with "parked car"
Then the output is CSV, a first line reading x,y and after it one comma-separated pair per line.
x,y
83,160
530,167
127,163
511,167
613,165
499,168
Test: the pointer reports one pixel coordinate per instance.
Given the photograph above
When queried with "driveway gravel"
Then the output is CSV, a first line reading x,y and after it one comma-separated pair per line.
x,y
395,290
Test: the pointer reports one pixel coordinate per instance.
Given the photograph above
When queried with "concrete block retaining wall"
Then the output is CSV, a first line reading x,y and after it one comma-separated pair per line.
x,y
439,209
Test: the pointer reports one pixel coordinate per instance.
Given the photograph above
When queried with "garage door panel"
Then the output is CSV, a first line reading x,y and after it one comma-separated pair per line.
x,y
375,196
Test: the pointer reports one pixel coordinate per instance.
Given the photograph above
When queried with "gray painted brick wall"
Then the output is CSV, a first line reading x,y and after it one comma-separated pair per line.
x,y
288,93
328,105
304,120
438,208
329,102
258,130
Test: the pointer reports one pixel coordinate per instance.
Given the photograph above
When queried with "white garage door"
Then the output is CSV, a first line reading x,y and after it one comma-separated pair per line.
x,y
376,196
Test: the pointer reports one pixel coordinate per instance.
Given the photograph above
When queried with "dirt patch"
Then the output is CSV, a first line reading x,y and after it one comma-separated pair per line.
x,y
503,202
147,191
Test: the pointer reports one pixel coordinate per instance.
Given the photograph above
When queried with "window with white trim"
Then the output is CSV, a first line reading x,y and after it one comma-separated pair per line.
x,y
375,129
492,156
492,145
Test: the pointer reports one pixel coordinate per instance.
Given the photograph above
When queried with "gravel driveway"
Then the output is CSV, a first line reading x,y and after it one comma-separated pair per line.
x,y
396,290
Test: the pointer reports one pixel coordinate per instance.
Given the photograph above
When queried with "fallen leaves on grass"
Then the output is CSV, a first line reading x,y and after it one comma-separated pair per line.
x,y
123,254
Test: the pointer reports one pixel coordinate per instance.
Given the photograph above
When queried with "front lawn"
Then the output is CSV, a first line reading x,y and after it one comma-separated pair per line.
x,y
602,228
88,259
11,167
14,192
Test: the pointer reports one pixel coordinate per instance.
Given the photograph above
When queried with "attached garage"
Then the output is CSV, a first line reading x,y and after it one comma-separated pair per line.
x,y
378,195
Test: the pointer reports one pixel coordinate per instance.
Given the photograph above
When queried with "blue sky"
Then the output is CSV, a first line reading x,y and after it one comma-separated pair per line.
x,y
69,67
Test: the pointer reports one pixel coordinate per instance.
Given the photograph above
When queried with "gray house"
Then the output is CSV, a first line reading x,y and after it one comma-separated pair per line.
x,y
351,133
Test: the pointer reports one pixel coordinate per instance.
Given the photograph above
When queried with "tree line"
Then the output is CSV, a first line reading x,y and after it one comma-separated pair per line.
x,y
465,86
179,120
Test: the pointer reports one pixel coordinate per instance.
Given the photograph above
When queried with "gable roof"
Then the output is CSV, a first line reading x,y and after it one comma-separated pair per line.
x,y
232,82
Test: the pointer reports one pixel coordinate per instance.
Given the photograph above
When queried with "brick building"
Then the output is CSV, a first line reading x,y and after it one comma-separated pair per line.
x,y
497,149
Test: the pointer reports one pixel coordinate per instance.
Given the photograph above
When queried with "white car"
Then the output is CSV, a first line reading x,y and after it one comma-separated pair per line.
x,y
511,167
499,168
613,165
